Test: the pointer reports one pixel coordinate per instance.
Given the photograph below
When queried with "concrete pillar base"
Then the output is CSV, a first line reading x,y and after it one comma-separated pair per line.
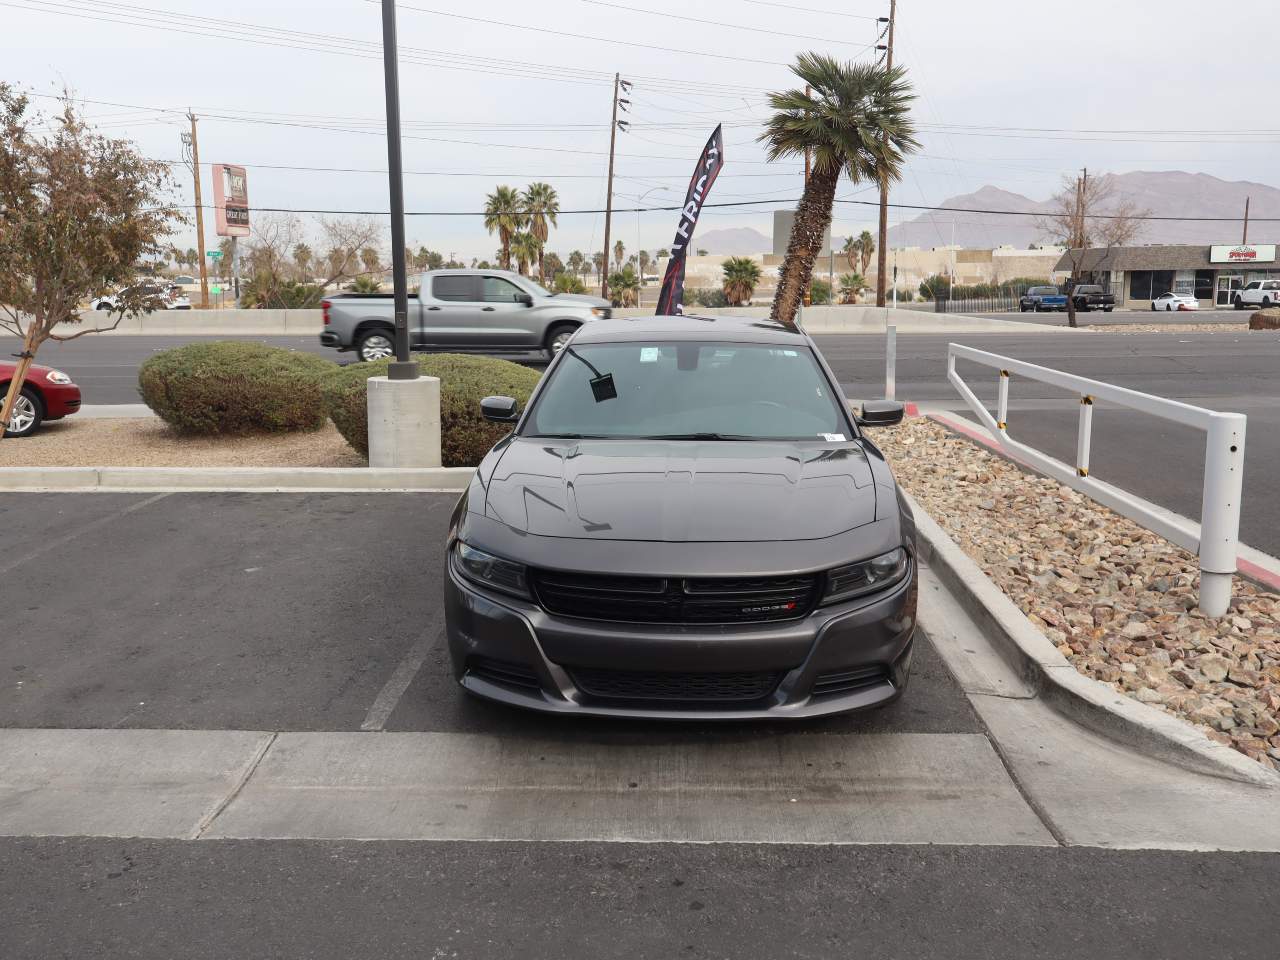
x,y
404,422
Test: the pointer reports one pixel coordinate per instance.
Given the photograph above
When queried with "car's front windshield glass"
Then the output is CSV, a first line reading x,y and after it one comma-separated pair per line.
x,y
538,288
685,390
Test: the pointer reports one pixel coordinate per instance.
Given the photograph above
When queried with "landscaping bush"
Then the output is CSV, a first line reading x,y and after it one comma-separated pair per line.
x,y
465,436
819,293
235,388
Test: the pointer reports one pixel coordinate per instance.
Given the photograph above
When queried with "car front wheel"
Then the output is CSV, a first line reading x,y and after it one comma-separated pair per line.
x,y
1239,304
558,336
27,414
376,345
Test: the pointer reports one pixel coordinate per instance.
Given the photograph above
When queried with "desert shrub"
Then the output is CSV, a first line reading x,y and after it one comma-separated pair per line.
x,y
230,387
465,436
819,292
568,283
938,285
705,297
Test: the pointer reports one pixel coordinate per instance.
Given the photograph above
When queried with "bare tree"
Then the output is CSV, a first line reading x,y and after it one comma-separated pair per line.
x,y
1090,221
344,240
78,212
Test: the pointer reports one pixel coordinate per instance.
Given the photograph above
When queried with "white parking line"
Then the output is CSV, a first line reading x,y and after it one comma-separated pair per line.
x,y
79,531
394,688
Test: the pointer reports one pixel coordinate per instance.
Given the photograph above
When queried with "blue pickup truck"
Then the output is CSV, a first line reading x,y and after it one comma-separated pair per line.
x,y
1042,298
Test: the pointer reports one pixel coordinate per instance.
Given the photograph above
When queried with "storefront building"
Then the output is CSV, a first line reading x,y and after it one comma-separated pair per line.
x,y
1137,275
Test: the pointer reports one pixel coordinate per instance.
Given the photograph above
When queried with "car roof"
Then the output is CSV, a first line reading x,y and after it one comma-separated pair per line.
x,y
689,327
469,272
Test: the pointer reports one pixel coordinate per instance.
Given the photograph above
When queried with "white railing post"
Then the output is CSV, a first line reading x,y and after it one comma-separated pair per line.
x,y
1002,401
1084,436
1220,511
890,362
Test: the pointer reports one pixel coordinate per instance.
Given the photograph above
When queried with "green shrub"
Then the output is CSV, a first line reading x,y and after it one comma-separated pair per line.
x,y
465,436
231,387
938,285
705,297
819,292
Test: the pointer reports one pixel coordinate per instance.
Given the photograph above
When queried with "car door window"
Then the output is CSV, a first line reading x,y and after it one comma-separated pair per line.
x,y
458,289
498,290
1254,285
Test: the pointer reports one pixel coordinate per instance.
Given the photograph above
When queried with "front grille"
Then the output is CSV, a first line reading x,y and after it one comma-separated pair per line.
x,y
675,687
675,599
848,681
503,672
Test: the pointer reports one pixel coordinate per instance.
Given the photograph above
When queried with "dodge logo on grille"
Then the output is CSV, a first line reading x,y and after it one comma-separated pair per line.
x,y
790,605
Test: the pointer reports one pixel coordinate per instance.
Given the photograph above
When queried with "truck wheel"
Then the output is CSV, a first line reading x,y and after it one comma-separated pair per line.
x,y
376,345
1239,303
27,414
558,336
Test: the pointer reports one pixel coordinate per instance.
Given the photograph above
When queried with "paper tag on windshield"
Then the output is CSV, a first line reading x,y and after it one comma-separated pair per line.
x,y
648,354
833,436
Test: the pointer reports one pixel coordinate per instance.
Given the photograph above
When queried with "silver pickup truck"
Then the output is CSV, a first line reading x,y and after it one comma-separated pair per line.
x,y
463,311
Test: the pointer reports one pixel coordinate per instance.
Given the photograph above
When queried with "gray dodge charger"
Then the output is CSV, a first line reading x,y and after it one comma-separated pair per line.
x,y
685,522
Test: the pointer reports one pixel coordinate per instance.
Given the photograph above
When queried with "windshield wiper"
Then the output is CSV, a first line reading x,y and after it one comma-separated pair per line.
x,y
568,436
698,436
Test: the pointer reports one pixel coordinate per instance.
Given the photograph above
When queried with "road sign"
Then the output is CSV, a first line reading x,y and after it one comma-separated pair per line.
x,y
214,254
215,289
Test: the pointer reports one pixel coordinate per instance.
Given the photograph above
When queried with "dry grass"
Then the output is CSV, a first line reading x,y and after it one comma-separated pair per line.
x,y
147,442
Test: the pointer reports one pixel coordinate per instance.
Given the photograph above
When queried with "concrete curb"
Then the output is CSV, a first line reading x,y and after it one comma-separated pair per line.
x,y
1090,703
248,479
1251,563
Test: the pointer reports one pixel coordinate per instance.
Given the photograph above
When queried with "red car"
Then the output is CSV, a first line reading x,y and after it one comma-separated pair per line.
x,y
47,394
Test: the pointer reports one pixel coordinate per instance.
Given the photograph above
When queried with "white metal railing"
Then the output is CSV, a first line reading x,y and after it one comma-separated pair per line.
x,y
1214,539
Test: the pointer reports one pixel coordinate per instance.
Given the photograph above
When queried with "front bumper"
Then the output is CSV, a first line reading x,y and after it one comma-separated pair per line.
x,y
869,638
60,400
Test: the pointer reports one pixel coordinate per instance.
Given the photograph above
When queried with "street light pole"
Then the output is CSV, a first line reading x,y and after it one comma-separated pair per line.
x,y
401,368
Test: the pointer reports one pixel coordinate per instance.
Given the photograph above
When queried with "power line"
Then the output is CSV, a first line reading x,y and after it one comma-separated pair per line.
x,y
827,13
720,23
583,36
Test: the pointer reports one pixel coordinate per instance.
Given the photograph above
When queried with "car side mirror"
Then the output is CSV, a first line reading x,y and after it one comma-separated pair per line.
x,y
881,413
525,298
498,409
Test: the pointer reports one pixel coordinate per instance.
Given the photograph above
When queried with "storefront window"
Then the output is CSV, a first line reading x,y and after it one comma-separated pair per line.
x,y
1204,284
1140,285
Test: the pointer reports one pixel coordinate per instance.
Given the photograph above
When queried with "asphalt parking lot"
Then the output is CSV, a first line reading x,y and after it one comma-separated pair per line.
x,y
284,612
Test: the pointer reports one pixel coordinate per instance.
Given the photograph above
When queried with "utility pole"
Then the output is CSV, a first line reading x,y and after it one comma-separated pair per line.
x,y
193,144
882,256
403,368
608,201
1245,240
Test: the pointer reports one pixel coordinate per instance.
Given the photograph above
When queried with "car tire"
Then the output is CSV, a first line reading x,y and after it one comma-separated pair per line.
x,y
1153,307
376,344
558,336
103,306
1239,303
28,412
1107,309
1266,303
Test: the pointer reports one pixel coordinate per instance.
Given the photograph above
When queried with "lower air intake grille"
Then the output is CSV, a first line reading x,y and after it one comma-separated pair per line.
x,y
847,681
507,674
687,687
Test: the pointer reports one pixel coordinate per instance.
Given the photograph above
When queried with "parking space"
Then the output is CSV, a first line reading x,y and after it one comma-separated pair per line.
x,y
281,612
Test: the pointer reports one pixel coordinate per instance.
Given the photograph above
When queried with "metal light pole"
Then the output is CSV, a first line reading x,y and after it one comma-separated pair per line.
x,y
401,368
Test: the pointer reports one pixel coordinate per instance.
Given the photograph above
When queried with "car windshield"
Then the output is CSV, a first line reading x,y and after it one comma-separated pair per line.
x,y
1044,291
686,390
538,288
1085,288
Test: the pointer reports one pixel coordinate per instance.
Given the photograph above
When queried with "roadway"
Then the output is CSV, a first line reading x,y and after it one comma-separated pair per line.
x,y
1159,461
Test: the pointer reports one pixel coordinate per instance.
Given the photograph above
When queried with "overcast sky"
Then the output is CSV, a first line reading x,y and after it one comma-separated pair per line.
x,y
485,103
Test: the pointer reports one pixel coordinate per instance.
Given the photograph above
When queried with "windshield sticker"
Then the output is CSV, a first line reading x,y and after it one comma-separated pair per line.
x,y
833,436
648,354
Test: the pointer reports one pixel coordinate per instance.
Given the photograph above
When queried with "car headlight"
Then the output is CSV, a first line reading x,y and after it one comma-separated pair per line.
x,y
866,576
57,376
494,572
602,312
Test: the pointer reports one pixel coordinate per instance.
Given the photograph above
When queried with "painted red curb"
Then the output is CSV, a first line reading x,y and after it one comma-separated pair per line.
x,y
913,410
1259,574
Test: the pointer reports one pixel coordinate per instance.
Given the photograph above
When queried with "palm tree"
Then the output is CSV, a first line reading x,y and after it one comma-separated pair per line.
x,y
597,261
624,287
851,284
741,274
866,250
541,204
504,213
577,262
645,263
852,249
619,252
855,121
526,248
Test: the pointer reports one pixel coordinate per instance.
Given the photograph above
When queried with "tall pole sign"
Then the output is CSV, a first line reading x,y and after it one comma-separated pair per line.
x,y
231,212
402,368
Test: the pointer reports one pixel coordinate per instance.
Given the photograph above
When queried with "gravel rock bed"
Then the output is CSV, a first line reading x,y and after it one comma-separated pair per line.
x,y
1169,327
149,442
1117,600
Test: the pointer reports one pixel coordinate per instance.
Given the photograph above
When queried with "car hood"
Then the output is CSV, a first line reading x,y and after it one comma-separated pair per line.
x,y
582,298
681,491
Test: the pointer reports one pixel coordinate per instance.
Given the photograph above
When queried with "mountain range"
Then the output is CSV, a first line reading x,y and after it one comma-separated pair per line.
x,y
1164,193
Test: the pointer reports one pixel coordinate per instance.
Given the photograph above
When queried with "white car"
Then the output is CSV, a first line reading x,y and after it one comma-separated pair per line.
x,y
170,297
1259,293
1175,301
